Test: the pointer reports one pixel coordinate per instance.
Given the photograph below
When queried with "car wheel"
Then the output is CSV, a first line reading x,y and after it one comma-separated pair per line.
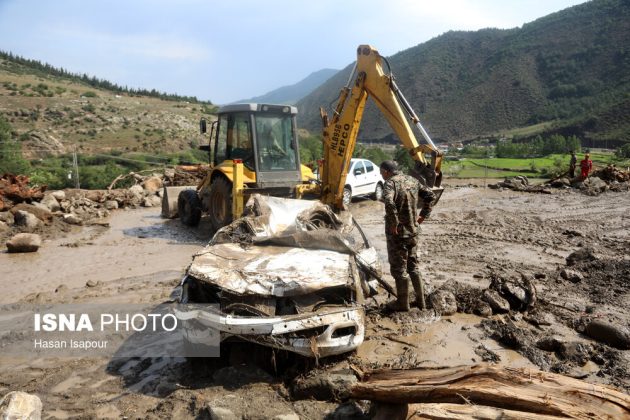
x,y
220,203
347,196
189,207
378,192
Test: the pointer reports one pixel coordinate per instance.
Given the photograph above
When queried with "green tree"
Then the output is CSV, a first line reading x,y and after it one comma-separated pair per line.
x,y
623,151
11,159
404,159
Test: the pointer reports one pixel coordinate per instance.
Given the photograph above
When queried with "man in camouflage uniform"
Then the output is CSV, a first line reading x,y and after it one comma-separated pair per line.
x,y
402,227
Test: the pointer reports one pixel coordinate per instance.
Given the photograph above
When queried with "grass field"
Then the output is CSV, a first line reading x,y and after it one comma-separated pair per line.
x,y
530,167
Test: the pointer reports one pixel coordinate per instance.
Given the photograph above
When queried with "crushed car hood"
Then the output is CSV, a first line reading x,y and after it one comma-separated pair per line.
x,y
270,270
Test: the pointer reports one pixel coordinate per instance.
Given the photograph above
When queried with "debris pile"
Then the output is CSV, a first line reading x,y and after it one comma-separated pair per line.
x,y
180,176
14,189
34,210
520,183
604,179
506,292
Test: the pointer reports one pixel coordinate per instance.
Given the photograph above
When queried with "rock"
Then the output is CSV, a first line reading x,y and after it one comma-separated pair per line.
x,y
572,275
137,191
3,226
483,309
444,302
578,353
585,254
611,334
561,183
19,405
91,283
220,413
550,343
42,214
7,217
51,202
111,204
152,201
24,242
72,219
496,302
596,184
59,195
152,185
25,218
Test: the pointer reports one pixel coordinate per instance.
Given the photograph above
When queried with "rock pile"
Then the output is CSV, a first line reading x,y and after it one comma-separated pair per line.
x,y
26,210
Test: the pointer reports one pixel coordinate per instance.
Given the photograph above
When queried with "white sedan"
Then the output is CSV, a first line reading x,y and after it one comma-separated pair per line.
x,y
364,178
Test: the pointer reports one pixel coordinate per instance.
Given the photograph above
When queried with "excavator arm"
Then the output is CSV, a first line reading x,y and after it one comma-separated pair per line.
x,y
340,131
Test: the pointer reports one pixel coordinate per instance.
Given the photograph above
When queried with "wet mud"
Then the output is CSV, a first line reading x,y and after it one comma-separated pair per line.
x,y
572,247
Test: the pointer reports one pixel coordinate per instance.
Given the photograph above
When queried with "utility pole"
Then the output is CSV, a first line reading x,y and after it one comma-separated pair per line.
x,y
75,164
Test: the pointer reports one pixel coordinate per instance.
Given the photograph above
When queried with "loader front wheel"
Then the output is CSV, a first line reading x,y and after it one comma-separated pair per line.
x,y
220,210
189,207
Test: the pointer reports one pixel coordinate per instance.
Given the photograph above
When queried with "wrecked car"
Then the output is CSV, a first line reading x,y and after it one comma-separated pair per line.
x,y
290,274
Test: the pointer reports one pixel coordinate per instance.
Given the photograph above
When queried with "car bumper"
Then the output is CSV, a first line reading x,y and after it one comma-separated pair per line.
x,y
327,332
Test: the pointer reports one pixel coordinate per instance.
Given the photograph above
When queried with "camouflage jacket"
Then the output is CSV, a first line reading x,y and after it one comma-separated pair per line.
x,y
400,194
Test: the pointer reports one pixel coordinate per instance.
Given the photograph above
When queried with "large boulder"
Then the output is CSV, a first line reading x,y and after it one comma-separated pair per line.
x,y
24,242
443,302
26,219
609,333
59,195
152,184
41,213
51,202
18,405
496,302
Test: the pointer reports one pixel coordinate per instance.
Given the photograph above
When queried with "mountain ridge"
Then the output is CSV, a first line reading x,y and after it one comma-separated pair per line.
x,y
566,72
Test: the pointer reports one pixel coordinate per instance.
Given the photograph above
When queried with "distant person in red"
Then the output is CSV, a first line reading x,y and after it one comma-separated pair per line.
x,y
586,165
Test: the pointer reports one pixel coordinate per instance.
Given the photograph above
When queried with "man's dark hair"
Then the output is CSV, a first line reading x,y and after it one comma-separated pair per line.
x,y
390,166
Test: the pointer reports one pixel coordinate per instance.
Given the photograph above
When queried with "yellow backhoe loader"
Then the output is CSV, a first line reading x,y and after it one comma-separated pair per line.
x,y
253,148
340,132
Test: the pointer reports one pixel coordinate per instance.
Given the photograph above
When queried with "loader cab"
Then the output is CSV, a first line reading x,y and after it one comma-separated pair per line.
x,y
264,137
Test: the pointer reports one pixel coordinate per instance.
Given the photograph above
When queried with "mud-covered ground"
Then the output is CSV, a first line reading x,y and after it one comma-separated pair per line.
x,y
474,235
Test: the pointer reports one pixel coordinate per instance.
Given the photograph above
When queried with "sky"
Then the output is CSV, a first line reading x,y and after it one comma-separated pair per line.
x,y
224,51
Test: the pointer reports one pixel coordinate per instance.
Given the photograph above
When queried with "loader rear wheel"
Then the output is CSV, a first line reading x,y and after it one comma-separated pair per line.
x,y
220,210
189,207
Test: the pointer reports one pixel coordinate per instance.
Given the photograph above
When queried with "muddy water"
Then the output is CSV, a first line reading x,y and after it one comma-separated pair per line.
x,y
138,244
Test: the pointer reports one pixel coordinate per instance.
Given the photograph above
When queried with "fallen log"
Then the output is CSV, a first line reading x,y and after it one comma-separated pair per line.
x,y
451,412
526,390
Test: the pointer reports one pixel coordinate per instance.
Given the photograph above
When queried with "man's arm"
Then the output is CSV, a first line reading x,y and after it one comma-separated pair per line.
x,y
391,212
427,196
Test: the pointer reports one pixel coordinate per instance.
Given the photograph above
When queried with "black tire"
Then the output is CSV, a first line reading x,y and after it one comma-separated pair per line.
x,y
378,192
189,207
220,208
347,196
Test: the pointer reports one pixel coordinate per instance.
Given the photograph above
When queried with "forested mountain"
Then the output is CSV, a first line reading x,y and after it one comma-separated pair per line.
x,y
568,72
293,93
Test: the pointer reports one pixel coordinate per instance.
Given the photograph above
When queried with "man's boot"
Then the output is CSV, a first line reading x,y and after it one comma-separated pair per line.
x,y
418,287
401,304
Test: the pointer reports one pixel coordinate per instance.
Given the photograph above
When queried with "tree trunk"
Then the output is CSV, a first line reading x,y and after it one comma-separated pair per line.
x,y
524,390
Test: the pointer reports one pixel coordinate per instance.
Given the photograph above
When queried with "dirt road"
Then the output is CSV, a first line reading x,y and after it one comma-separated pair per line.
x,y
473,235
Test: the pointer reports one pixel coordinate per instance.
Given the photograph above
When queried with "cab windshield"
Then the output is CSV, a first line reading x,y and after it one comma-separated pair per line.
x,y
275,143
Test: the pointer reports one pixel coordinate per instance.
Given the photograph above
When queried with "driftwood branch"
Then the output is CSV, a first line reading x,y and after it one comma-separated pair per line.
x,y
500,388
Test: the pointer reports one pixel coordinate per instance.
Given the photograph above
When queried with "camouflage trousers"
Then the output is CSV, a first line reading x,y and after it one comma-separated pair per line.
x,y
402,254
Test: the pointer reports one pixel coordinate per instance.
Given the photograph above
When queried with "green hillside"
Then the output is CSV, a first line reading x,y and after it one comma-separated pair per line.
x,y
53,112
565,73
